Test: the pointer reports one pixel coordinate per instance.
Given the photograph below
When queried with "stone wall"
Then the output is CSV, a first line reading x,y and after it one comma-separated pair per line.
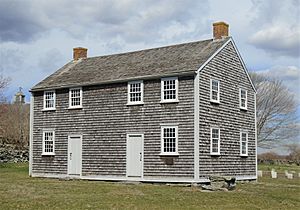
x,y
9,154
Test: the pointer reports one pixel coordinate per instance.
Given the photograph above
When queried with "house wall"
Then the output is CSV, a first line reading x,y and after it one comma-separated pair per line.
x,y
104,122
227,68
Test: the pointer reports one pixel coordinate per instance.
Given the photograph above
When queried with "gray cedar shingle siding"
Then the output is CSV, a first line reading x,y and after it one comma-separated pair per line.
x,y
227,68
104,121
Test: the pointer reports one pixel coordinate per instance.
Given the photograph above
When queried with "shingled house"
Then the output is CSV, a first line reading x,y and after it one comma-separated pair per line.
x,y
171,114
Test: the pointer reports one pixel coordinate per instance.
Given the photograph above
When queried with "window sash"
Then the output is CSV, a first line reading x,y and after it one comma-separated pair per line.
x,y
75,97
135,92
243,143
243,98
169,140
169,89
214,90
48,142
215,141
49,100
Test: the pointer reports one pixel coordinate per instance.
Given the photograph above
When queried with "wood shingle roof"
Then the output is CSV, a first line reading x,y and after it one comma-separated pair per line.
x,y
151,63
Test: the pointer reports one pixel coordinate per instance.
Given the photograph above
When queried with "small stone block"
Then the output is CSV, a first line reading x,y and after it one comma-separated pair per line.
x,y
259,173
290,176
273,174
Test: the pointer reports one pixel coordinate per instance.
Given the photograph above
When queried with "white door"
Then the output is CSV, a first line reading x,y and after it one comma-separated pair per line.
x,y
134,162
74,155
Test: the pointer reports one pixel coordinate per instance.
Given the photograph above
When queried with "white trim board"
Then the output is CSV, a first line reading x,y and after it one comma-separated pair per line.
x,y
196,128
249,177
145,179
244,66
31,134
255,138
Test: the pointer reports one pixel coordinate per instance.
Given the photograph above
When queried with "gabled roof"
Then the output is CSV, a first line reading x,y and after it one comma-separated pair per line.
x,y
164,61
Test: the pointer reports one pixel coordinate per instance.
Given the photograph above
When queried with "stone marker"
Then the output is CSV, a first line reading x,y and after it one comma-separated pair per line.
x,y
259,173
286,173
273,174
290,176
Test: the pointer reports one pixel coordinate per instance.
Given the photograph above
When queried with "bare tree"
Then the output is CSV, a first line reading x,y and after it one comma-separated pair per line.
x,y
14,124
4,81
276,112
294,153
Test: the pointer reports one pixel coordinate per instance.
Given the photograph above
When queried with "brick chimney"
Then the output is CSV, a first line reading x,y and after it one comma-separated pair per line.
x,y
220,30
79,52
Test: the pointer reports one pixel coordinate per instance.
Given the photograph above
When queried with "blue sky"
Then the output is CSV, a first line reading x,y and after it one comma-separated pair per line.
x,y
37,36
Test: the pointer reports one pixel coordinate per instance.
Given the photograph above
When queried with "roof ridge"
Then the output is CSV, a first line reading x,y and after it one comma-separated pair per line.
x,y
148,49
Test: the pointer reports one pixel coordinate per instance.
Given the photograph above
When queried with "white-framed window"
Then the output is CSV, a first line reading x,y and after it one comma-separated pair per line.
x,y
215,141
75,97
215,91
169,140
135,92
48,142
244,143
169,89
49,100
243,98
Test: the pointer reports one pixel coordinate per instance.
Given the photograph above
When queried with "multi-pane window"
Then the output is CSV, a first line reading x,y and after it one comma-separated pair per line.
x,y
49,100
214,90
243,98
169,138
215,141
48,142
169,89
244,143
75,97
135,92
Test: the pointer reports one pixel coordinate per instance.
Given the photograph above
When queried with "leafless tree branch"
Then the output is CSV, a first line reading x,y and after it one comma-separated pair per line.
x,y
276,111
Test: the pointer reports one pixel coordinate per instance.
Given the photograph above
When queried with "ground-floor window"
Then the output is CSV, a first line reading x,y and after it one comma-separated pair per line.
x,y
215,141
48,142
169,140
244,143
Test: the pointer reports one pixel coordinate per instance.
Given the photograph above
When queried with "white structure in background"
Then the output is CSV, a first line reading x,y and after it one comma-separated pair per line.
x,y
273,174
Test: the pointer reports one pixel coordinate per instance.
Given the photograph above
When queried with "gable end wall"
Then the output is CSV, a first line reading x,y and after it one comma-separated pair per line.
x,y
228,69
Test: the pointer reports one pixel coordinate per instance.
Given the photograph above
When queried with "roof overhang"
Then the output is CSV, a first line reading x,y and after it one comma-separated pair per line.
x,y
147,77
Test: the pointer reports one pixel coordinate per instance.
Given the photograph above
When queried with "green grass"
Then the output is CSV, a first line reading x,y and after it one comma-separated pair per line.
x,y
279,167
18,191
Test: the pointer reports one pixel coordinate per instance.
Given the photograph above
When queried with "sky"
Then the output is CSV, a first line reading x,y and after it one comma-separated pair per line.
x,y
37,36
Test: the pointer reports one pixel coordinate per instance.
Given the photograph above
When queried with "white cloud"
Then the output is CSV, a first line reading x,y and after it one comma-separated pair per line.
x,y
277,29
290,76
133,20
278,40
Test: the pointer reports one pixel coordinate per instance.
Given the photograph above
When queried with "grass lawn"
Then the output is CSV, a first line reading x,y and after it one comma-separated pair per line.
x,y
18,191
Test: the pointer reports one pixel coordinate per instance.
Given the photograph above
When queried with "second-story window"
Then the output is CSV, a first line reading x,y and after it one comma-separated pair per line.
x,y
135,92
214,91
243,98
169,89
75,97
49,100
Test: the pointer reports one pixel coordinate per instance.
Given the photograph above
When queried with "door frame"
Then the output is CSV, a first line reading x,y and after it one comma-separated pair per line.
x,y
68,155
142,168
